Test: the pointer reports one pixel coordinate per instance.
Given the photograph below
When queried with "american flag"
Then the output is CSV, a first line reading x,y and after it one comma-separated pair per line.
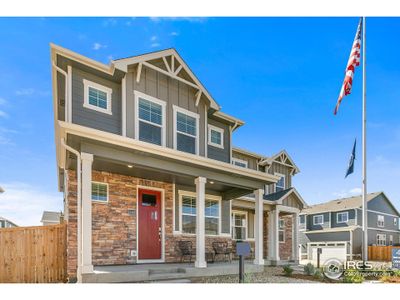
x,y
354,61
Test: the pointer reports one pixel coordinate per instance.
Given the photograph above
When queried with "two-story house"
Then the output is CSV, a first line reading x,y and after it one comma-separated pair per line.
x,y
145,160
336,227
5,223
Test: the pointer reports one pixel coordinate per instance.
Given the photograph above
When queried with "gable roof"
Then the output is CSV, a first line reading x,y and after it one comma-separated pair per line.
x,y
282,157
343,204
172,55
7,220
279,196
51,216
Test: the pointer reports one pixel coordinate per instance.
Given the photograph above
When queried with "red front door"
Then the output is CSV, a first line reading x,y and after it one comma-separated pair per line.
x,y
150,234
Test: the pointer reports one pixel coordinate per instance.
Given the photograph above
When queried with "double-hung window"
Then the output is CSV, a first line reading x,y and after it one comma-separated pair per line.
x,y
381,221
318,220
381,239
342,217
395,221
281,230
97,97
99,192
150,119
215,136
280,184
186,127
239,225
189,210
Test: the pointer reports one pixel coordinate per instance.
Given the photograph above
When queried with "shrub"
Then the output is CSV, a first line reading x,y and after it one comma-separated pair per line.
x,y
353,276
318,274
248,278
309,269
288,270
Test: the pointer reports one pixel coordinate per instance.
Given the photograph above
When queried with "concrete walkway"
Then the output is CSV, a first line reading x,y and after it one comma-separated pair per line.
x,y
164,272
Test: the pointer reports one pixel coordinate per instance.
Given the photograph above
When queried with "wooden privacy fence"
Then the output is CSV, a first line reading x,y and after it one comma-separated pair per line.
x,y
33,254
380,253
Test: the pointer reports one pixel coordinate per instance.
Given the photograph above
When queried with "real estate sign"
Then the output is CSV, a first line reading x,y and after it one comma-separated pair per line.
x,y
396,258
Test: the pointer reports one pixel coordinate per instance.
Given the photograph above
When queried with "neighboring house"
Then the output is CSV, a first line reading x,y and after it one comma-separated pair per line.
x,y
158,167
336,227
51,218
4,223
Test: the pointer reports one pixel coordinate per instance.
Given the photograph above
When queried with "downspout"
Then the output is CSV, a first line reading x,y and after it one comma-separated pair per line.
x,y
79,206
66,90
231,129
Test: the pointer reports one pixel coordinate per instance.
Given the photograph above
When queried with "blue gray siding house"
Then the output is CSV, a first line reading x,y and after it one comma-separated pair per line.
x,y
336,226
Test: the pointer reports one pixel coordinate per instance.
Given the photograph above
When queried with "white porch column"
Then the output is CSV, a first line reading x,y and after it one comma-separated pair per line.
x,y
275,228
200,222
295,239
87,160
258,224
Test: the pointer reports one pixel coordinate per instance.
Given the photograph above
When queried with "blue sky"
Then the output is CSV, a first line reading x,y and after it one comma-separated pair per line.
x,y
280,75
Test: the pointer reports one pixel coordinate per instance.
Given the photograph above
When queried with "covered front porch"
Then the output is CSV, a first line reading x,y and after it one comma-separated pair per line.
x,y
111,232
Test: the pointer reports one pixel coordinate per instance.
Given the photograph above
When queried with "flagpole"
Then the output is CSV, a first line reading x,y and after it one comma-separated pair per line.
x,y
364,151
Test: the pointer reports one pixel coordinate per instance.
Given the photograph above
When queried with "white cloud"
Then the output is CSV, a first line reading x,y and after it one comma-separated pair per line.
x,y
98,46
153,38
110,57
153,45
3,114
348,193
177,19
3,101
25,92
174,33
110,22
24,204
130,22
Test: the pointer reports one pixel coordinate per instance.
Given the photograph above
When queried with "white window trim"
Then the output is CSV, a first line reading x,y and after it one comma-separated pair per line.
x,y
390,240
245,162
238,212
284,180
314,217
138,95
221,131
377,221
177,109
384,239
108,192
282,229
181,194
97,86
346,213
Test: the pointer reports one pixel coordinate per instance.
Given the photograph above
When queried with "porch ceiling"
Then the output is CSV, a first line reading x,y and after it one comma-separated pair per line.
x,y
116,159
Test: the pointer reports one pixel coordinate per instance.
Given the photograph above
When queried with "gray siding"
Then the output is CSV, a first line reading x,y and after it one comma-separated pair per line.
x,y
310,222
173,92
91,118
389,221
251,161
373,232
380,203
329,236
352,218
281,169
215,152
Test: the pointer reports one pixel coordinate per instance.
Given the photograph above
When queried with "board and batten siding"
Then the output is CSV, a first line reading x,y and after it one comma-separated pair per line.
x,y
281,169
89,117
167,89
219,153
251,161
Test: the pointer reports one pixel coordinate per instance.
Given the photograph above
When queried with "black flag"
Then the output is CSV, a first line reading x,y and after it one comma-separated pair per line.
x,y
350,168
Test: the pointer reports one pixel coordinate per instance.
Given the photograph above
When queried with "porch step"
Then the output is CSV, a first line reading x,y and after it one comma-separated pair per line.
x,y
167,276
166,271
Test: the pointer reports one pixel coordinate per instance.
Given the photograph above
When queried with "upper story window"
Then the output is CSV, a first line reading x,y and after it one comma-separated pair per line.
x,y
215,136
186,130
97,97
318,220
342,217
302,219
381,221
395,221
280,185
239,162
99,192
239,225
150,119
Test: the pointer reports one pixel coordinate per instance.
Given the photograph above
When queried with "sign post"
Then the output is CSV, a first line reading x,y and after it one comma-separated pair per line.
x,y
243,250
319,252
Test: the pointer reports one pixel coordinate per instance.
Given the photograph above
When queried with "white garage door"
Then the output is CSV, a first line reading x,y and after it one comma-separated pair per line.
x,y
329,250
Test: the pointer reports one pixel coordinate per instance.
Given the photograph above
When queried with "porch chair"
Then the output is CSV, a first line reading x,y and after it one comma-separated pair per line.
x,y
186,249
221,248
